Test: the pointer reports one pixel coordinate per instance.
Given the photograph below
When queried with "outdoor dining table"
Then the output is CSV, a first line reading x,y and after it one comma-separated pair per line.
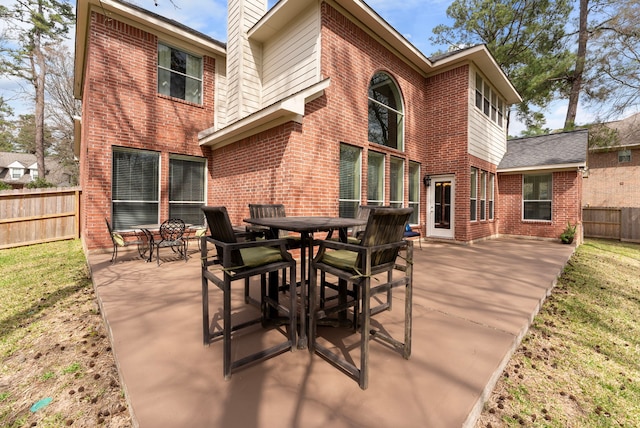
x,y
149,230
306,226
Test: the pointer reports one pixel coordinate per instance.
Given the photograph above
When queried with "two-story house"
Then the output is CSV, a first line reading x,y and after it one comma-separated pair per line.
x,y
320,105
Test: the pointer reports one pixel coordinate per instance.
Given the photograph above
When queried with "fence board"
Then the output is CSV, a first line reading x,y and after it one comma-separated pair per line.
x,y
33,216
612,223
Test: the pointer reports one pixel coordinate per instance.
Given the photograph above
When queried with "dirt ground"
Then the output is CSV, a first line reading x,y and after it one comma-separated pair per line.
x,y
64,372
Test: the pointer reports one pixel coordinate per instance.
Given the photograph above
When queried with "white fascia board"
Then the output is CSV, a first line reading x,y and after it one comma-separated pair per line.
x,y
15,164
286,110
545,168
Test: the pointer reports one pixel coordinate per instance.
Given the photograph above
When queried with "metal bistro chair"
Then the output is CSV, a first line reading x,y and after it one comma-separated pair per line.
x,y
119,241
172,236
243,260
357,264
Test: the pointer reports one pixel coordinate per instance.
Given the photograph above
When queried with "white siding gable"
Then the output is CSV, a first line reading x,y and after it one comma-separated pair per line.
x,y
291,58
487,140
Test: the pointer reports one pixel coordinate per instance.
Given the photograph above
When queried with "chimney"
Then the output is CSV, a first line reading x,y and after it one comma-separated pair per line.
x,y
244,59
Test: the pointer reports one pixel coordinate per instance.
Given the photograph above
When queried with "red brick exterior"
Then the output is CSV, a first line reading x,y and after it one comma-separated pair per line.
x,y
295,164
565,206
611,183
121,107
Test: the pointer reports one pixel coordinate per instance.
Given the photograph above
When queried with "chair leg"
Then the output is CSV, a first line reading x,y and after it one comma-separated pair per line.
x,y
114,255
226,341
363,379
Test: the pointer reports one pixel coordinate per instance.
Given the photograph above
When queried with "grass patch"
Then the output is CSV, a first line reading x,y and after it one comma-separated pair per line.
x,y
578,365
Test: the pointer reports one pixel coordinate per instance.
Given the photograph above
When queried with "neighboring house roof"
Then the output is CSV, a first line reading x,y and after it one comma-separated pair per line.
x,y
55,173
564,150
627,134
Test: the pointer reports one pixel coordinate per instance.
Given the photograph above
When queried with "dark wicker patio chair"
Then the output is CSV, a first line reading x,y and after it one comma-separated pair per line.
x,y
120,241
357,264
243,260
172,236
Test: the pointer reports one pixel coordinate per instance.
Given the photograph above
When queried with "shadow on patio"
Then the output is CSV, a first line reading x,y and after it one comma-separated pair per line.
x,y
471,307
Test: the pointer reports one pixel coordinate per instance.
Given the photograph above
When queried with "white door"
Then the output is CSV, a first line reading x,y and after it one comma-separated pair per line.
x,y
440,208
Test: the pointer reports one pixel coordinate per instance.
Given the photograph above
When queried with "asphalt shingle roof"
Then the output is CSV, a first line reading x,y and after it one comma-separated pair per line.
x,y
564,148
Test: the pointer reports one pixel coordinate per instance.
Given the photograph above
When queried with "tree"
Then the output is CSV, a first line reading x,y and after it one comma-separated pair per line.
x,y
575,77
62,108
526,39
33,26
614,65
6,127
25,137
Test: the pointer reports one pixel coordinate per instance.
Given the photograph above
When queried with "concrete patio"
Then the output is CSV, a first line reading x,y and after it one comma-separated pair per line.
x,y
471,307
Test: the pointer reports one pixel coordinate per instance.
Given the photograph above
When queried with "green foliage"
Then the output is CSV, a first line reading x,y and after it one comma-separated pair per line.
x,y
25,140
526,39
568,234
6,126
72,368
5,186
39,183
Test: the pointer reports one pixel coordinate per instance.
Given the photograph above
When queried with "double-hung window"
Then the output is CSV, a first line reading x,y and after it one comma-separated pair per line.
x,y
134,188
488,101
179,74
187,188
386,117
16,173
483,195
350,180
414,191
537,196
396,183
491,194
375,178
473,205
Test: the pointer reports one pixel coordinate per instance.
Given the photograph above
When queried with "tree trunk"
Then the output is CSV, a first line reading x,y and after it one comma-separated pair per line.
x,y
39,72
576,79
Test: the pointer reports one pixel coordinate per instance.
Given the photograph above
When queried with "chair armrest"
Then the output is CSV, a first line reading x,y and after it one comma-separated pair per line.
x,y
227,248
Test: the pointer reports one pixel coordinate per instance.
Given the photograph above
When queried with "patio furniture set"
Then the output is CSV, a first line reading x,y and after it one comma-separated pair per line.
x,y
353,268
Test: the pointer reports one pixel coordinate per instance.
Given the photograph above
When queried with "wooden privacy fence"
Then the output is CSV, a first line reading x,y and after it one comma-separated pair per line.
x,y
613,223
34,216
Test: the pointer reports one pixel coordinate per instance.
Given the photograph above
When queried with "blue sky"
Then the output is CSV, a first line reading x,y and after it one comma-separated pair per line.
x,y
414,19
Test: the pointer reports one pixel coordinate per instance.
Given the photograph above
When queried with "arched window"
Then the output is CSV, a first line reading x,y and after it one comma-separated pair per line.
x,y
386,118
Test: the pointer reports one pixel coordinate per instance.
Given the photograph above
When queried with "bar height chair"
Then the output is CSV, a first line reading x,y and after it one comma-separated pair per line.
x,y
357,264
241,261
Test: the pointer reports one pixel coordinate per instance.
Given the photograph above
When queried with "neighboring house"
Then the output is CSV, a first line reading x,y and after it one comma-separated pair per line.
x,y
19,169
540,181
614,165
320,105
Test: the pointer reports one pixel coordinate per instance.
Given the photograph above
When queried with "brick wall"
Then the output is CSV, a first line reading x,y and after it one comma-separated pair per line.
x,y
612,183
121,107
566,206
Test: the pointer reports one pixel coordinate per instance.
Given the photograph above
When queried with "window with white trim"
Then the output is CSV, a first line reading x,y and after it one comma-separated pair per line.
x,y
135,196
16,173
624,156
386,117
375,178
396,183
537,196
473,203
491,192
179,74
414,191
187,189
489,102
350,180
483,195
